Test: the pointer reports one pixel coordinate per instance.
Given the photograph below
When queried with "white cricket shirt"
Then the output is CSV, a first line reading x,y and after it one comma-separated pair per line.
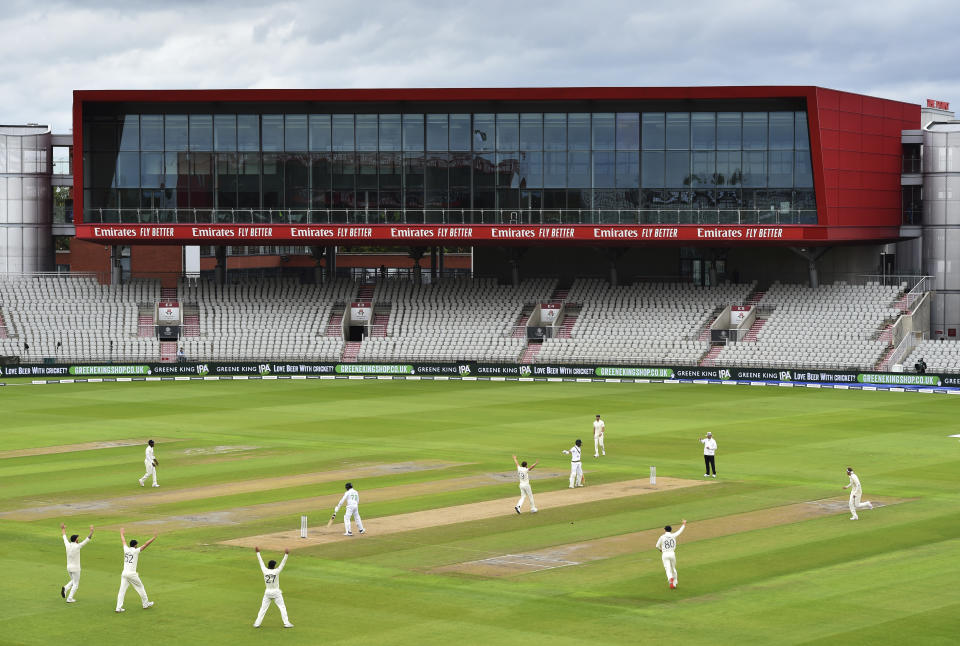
x,y
524,474
598,427
710,446
668,541
73,553
351,498
149,454
130,557
574,453
271,578
855,481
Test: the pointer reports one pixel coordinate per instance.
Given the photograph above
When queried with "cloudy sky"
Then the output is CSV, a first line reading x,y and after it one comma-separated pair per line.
x,y
889,48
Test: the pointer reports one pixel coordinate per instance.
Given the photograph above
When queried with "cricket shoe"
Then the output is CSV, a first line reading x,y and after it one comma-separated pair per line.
x,y
63,592
714,475
120,610
533,511
348,533
148,604
71,600
706,475
288,625
595,455
854,518
141,482
256,625
517,509
869,505
155,484
362,531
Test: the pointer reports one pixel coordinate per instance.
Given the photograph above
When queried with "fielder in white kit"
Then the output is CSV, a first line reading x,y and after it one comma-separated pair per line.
x,y
523,473
855,494
352,500
73,562
150,463
129,577
667,544
598,428
576,468
271,579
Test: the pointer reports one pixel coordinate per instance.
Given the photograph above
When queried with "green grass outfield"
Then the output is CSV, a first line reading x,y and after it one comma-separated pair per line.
x,y
890,578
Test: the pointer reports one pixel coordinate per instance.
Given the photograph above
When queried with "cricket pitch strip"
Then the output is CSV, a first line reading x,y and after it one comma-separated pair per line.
x,y
460,513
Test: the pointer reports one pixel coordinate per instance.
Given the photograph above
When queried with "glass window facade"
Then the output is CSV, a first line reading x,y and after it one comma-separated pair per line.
x,y
666,166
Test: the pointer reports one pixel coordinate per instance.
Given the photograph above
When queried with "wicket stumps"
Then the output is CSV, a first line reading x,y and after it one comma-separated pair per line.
x,y
653,475
303,527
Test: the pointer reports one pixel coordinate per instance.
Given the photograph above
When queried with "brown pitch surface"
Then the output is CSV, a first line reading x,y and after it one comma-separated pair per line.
x,y
321,535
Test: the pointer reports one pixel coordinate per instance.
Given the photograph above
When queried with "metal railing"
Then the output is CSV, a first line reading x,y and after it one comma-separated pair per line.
x,y
902,351
598,216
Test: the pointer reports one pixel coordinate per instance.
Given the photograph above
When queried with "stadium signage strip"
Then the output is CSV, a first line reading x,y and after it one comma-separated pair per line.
x,y
309,233
479,370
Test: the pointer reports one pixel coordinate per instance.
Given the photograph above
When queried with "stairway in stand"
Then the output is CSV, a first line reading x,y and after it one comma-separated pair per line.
x,y
191,325
566,328
532,350
168,351
904,303
559,295
520,327
168,293
705,332
335,325
365,293
751,335
379,327
350,351
882,363
3,328
755,298
144,325
709,357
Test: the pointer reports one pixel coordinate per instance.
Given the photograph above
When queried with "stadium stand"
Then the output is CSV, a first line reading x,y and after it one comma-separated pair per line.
x,y
455,320
73,318
832,326
655,323
267,319
940,355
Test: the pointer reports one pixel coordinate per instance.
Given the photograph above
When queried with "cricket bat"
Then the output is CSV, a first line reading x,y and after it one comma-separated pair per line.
x,y
330,522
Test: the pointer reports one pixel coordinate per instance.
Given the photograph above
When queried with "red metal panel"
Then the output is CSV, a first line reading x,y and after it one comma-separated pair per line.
x,y
869,144
480,234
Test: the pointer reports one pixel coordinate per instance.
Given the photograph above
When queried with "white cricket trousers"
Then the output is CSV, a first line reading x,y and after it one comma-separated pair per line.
x,y
71,588
151,471
131,579
855,504
351,511
598,445
576,474
526,492
277,598
670,565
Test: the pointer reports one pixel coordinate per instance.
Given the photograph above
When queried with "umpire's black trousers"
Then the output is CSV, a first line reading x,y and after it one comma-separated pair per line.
x,y
710,461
